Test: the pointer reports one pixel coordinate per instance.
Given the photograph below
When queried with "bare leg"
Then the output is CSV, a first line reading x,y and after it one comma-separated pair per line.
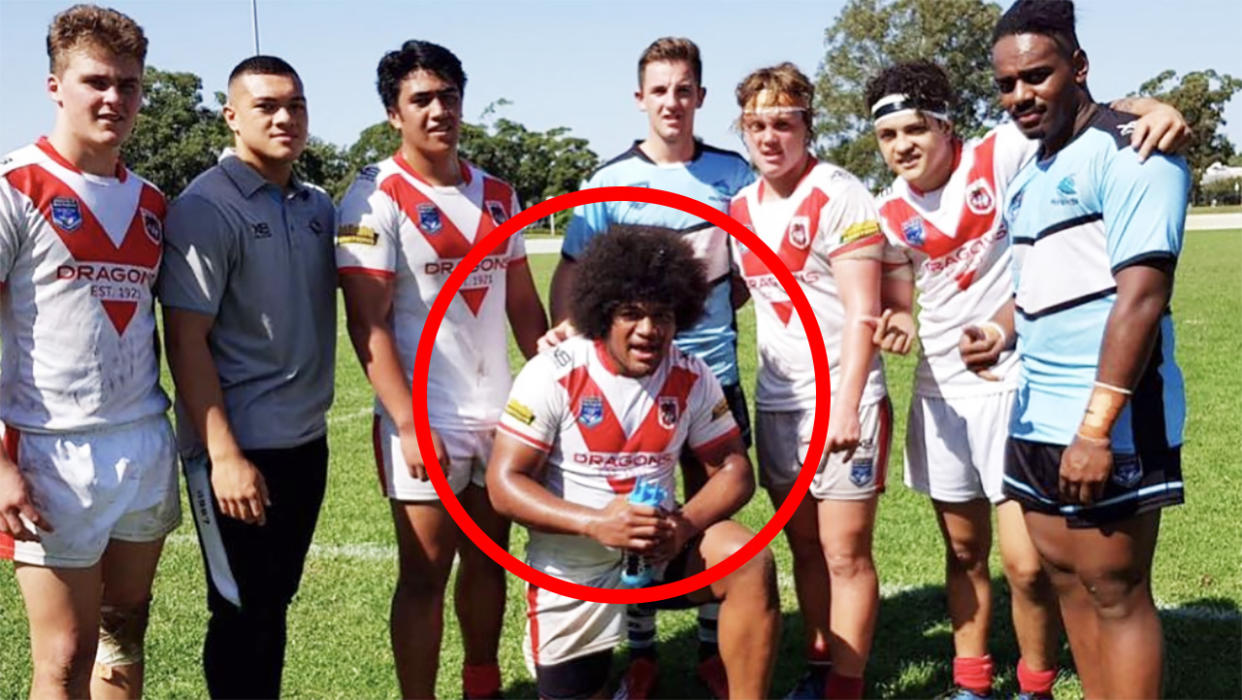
x,y
479,593
63,608
128,571
1036,618
967,531
810,574
845,530
750,611
426,539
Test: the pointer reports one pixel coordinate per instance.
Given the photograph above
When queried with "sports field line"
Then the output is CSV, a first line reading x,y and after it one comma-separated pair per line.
x,y
373,551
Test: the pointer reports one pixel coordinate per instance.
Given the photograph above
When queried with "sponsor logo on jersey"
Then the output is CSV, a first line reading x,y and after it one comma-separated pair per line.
x,y
561,358
444,267
368,173
497,211
798,234
1067,193
639,205
860,230
668,412
519,411
861,471
912,230
625,460
979,197
721,408
105,272
152,225
429,219
1127,470
1127,128
357,234
261,230
316,227
591,411
66,213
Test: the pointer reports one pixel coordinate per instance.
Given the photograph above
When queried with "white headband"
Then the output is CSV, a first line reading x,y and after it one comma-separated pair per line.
x,y
770,111
897,103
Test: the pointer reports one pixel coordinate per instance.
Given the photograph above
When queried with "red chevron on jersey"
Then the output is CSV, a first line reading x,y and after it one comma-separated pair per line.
x,y
443,235
113,272
977,216
795,245
603,434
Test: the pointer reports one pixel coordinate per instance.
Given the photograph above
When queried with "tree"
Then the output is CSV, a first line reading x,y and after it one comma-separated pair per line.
x,y
1201,97
539,164
870,35
175,136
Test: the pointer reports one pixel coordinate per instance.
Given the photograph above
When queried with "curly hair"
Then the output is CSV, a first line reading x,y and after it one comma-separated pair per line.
x,y
94,26
632,264
416,55
783,84
924,83
1051,18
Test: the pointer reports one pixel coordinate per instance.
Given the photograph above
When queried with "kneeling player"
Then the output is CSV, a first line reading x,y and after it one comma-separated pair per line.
x,y
583,422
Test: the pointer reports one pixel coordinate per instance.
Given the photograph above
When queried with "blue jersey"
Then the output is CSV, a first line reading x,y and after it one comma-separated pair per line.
x,y
712,176
1075,220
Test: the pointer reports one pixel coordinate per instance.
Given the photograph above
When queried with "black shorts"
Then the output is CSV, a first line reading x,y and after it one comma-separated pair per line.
x,y
1139,483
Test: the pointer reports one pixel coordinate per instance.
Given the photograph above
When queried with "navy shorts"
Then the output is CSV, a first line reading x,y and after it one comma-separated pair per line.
x,y
1139,483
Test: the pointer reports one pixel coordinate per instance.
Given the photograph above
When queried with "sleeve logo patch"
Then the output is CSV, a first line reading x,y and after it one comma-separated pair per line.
x,y
860,230
361,235
519,411
721,408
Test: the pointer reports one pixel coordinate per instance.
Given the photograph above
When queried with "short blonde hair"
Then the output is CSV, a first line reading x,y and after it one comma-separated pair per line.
x,y
777,86
97,27
672,48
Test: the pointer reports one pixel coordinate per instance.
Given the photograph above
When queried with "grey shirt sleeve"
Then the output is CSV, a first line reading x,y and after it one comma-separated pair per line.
x,y
199,253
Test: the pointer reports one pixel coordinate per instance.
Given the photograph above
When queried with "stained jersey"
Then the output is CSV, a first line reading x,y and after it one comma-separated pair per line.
x,y
1075,221
602,431
394,225
79,255
712,176
955,239
828,214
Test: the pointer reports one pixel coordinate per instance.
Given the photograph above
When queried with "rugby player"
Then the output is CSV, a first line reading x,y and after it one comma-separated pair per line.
x,y
942,217
822,223
670,90
88,478
583,422
1094,448
249,301
404,224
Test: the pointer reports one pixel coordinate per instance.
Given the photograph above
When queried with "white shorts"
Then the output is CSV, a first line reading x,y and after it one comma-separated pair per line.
x,y
94,486
468,451
560,629
955,448
782,439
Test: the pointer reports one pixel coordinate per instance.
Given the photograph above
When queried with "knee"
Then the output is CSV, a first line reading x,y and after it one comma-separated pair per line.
x,y
803,545
848,563
122,631
1115,594
967,555
756,578
1026,575
63,661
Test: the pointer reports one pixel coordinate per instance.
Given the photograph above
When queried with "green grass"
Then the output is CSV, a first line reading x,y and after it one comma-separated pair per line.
x,y
1223,209
338,640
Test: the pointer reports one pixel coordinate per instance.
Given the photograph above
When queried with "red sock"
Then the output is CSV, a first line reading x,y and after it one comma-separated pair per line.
x,y
974,673
839,687
482,681
1035,682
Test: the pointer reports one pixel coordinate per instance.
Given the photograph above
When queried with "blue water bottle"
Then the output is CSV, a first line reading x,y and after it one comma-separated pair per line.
x,y
635,569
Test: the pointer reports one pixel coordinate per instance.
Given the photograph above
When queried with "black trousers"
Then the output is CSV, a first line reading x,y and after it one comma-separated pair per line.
x,y
253,572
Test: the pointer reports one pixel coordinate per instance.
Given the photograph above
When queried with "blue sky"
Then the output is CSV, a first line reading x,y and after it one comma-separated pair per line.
x,y
562,63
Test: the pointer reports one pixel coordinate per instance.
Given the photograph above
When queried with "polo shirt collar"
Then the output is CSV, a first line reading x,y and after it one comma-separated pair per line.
x,y
248,180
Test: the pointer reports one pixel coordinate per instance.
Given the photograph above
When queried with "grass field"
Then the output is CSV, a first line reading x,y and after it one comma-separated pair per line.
x,y
338,639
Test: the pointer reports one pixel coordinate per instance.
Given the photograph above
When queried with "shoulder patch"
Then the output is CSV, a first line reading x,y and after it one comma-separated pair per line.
x,y
860,230
369,173
519,411
356,234
721,408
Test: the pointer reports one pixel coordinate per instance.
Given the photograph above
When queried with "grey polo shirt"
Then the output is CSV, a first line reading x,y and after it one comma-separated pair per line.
x,y
260,260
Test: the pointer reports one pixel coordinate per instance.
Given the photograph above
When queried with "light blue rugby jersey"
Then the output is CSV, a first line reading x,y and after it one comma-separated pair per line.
x,y
1074,221
712,176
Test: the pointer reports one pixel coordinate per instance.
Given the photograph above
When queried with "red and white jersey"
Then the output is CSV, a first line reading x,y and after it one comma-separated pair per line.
x,y
602,431
957,243
79,254
393,224
828,213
